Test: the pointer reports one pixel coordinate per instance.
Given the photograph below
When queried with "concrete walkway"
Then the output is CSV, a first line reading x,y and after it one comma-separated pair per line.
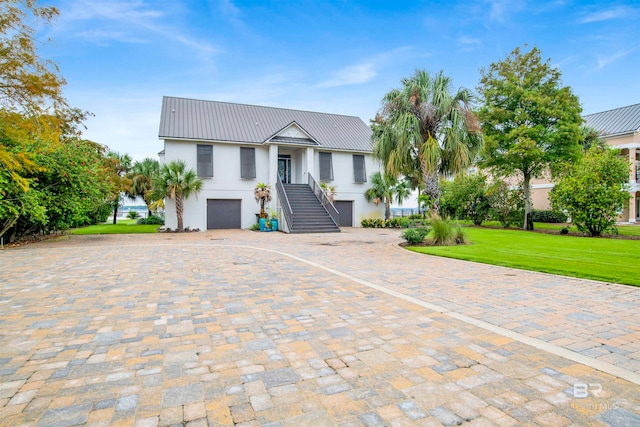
x,y
345,329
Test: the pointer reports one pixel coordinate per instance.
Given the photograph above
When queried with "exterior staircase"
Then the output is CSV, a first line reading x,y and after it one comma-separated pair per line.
x,y
309,216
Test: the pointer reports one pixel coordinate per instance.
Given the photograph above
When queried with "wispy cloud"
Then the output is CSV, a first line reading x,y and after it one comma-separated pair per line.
x,y
129,21
500,10
609,14
352,75
469,43
610,59
363,71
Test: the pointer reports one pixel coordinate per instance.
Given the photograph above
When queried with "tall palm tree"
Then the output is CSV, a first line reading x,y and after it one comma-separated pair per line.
x,y
121,165
176,182
386,188
422,125
142,175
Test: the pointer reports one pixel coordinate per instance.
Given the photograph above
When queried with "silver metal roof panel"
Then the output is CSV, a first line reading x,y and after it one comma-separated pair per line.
x,y
193,119
614,122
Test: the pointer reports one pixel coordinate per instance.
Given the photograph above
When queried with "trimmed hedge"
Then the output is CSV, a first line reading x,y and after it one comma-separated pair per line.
x,y
153,219
548,216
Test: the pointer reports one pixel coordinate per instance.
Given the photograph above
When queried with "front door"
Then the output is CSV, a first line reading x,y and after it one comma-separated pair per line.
x,y
284,168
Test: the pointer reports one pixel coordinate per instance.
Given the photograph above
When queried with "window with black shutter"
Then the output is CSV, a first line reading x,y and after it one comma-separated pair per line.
x,y
359,170
247,162
205,161
326,167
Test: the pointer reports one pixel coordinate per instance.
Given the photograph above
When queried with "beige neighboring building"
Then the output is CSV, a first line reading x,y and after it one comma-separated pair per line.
x,y
620,128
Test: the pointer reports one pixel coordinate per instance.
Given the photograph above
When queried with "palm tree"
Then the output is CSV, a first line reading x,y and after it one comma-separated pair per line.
x,y
176,182
262,193
423,126
120,164
142,175
385,188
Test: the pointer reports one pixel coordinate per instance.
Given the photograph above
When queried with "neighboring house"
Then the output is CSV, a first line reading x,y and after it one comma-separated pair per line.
x,y
620,128
233,147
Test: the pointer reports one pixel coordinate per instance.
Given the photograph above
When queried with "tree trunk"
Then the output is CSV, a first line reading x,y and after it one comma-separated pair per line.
x,y
179,208
115,210
387,209
528,220
432,189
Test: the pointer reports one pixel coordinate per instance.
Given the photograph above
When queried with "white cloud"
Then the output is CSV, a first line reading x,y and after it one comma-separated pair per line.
x,y
129,21
610,59
608,14
362,72
351,75
501,9
469,43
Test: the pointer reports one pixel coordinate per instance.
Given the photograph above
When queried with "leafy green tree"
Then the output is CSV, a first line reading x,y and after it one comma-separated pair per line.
x,y
177,182
386,189
423,126
593,190
27,82
142,175
466,198
506,205
530,121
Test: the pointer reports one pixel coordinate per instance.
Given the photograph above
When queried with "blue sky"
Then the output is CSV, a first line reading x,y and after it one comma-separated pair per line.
x,y
120,57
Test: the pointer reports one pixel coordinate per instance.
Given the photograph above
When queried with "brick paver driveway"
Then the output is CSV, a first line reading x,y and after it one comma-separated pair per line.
x,y
223,328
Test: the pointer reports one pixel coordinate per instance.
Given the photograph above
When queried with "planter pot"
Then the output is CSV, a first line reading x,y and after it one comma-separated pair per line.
x,y
274,224
263,223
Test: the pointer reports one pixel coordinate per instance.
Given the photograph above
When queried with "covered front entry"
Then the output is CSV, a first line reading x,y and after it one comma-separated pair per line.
x,y
345,212
224,213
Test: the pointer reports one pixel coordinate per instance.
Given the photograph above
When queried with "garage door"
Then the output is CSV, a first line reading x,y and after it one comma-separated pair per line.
x,y
223,213
345,210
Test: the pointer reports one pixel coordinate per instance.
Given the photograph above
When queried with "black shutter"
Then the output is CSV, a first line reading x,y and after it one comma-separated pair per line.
x,y
326,168
247,162
205,161
359,171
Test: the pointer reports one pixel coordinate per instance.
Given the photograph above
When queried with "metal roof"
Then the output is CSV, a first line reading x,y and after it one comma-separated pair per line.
x,y
193,119
614,122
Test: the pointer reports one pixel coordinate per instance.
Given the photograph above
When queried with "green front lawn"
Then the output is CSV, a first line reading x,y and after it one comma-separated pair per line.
x,y
609,260
127,226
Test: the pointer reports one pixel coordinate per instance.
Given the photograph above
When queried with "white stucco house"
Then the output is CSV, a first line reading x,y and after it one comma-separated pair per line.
x,y
233,147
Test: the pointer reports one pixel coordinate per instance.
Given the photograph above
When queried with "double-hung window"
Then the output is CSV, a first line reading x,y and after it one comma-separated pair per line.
x,y
359,169
205,161
247,162
326,167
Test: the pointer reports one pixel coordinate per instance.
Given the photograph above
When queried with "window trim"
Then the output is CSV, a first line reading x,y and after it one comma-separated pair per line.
x,y
326,155
252,167
201,165
363,175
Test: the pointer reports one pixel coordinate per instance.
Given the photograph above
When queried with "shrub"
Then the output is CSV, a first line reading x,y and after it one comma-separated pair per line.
x,y
548,216
465,198
153,219
372,223
446,231
255,227
416,216
133,215
415,235
461,235
564,230
392,223
507,206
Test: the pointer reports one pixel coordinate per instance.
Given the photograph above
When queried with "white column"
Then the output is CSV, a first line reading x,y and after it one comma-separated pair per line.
x,y
273,173
310,163
632,207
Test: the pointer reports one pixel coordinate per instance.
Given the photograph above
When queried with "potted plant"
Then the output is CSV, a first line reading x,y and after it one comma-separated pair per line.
x,y
330,191
262,193
273,215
